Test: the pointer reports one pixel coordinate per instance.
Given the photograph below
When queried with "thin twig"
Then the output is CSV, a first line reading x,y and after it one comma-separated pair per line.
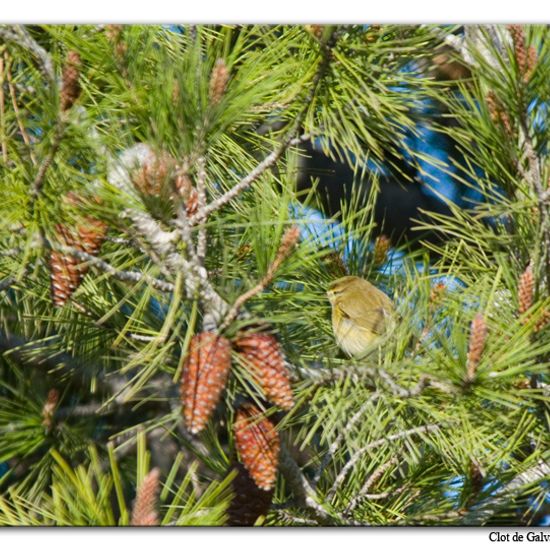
x,y
424,382
2,113
126,276
141,337
346,431
244,183
503,496
399,390
201,199
534,177
183,225
295,520
101,265
372,445
359,372
287,243
16,110
196,276
88,409
384,495
290,139
19,35
371,480
38,181
300,486
436,519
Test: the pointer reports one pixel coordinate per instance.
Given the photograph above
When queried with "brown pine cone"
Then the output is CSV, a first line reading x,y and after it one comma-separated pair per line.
x,y
493,105
520,51
249,502
476,476
70,81
263,356
65,274
153,176
381,247
204,377
66,270
144,513
258,445
335,264
543,321
498,113
113,32
532,60
436,292
115,37
91,235
478,335
526,289
218,81
187,192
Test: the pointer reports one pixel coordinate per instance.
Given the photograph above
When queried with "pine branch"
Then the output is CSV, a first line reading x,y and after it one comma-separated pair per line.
x,y
287,517
201,200
20,36
480,514
185,233
534,177
69,92
289,240
36,355
38,181
244,183
290,139
16,111
377,443
302,489
195,275
121,275
29,353
360,372
3,114
89,409
370,482
335,445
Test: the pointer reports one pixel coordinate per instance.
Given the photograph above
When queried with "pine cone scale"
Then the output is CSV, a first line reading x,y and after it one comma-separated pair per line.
x,y
258,444
263,356
66,271
204,377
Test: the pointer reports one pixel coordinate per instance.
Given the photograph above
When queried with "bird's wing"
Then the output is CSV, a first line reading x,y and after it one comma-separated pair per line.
x,y
371,315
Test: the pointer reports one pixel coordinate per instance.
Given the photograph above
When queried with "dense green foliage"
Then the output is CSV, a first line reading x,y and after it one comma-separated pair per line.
x,y
415,433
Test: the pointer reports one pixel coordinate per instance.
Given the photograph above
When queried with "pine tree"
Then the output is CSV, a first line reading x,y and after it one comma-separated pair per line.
x,y
148,185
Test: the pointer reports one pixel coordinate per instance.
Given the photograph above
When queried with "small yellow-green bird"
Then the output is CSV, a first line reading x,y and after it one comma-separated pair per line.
x,y
361,315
